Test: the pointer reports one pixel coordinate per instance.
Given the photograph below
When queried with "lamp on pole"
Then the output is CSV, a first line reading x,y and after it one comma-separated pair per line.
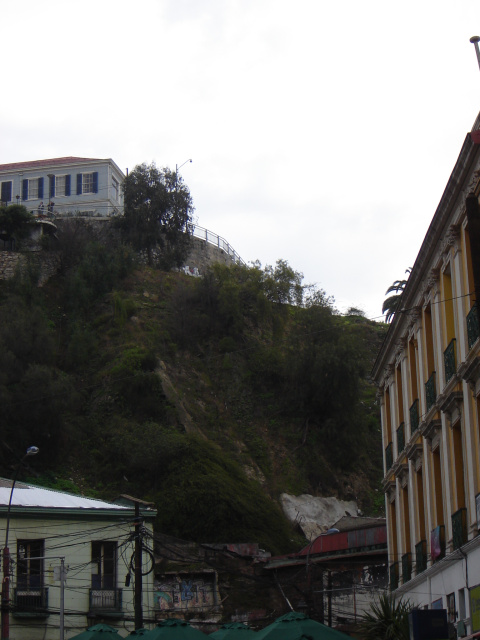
x,y
177,167
5,611
475,40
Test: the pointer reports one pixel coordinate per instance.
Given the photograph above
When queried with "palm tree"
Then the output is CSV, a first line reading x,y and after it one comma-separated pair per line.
x,y
387,619
392,304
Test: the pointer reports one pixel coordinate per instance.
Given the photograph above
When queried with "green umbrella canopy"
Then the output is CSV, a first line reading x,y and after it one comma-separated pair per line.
x,y
138,632
98,632
233,631
295,626
174,629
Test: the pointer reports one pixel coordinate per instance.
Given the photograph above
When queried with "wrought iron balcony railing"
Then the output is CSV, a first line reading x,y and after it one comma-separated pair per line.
x,y
414,416
389,456
473,329
430,391
30,601
401,438
421,556
105,600
459,528
406,567
394,576
449,360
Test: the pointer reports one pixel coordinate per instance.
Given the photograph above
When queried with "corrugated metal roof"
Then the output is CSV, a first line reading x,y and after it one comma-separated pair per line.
x,y
26,495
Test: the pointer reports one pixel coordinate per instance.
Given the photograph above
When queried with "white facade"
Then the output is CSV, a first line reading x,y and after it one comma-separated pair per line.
x,y
71,186
96,540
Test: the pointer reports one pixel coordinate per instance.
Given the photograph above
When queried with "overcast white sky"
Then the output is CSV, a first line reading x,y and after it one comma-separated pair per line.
x,y
322,132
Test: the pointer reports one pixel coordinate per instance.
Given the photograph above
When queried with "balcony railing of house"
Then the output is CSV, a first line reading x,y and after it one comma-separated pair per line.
x,y
449,360
414,416
459,528
394,576
421,556
389,455
406,567
106,600
473,330
401,438
30,601
430,391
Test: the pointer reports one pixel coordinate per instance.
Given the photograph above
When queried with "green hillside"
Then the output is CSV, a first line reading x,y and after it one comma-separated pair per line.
x,y
208,396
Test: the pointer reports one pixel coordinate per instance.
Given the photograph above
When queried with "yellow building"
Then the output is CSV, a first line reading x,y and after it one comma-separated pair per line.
x,y
428,376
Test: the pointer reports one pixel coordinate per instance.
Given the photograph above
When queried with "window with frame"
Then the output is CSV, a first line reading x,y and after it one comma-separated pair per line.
x,y
104,564
6,191
60,183
451,610
33,189
30,554
87,183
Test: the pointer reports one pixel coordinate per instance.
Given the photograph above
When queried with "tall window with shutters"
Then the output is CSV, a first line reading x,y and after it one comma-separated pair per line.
x,y
87,183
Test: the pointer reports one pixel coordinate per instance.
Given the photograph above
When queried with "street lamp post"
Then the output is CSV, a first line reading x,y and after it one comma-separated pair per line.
x,y
177,167
5,611
475,40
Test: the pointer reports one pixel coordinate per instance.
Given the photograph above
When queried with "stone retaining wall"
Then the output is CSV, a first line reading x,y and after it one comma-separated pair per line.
x,y
202,255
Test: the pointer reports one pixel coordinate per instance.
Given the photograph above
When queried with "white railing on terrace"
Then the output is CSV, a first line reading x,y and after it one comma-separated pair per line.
x,y
215,240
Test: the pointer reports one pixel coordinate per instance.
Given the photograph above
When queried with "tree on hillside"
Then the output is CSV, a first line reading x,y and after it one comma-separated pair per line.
x,y
14,222
158,213
392,304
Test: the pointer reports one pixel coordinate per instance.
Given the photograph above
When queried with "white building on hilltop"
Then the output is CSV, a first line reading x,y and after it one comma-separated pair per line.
x,y
96,539
71,186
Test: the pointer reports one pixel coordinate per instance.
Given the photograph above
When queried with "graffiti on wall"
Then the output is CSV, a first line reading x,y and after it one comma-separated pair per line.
x,y
185,592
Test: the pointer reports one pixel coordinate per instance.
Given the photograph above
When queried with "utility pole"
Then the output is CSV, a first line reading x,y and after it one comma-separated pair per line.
x,y
329,596
62,598
138,569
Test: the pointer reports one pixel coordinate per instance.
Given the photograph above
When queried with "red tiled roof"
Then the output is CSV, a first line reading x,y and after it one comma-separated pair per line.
x,y
52,161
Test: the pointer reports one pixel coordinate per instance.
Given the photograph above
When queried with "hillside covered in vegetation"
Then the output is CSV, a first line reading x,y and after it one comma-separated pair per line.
x,y
208,396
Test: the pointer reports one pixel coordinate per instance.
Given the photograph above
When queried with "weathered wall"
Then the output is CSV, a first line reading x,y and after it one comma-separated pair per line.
x,y
11,260
201,256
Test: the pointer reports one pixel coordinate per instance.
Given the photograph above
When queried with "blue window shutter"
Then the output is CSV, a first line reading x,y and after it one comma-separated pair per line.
x,y
95,182
40,188
79,184
67,185
52,186
25,189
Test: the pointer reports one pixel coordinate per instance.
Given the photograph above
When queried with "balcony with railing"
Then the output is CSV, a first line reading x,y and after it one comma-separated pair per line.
x,y
421,556
473,329
414,416
430,391
459,528
450,360
394,576
30,602
105,601
406,567
389,456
